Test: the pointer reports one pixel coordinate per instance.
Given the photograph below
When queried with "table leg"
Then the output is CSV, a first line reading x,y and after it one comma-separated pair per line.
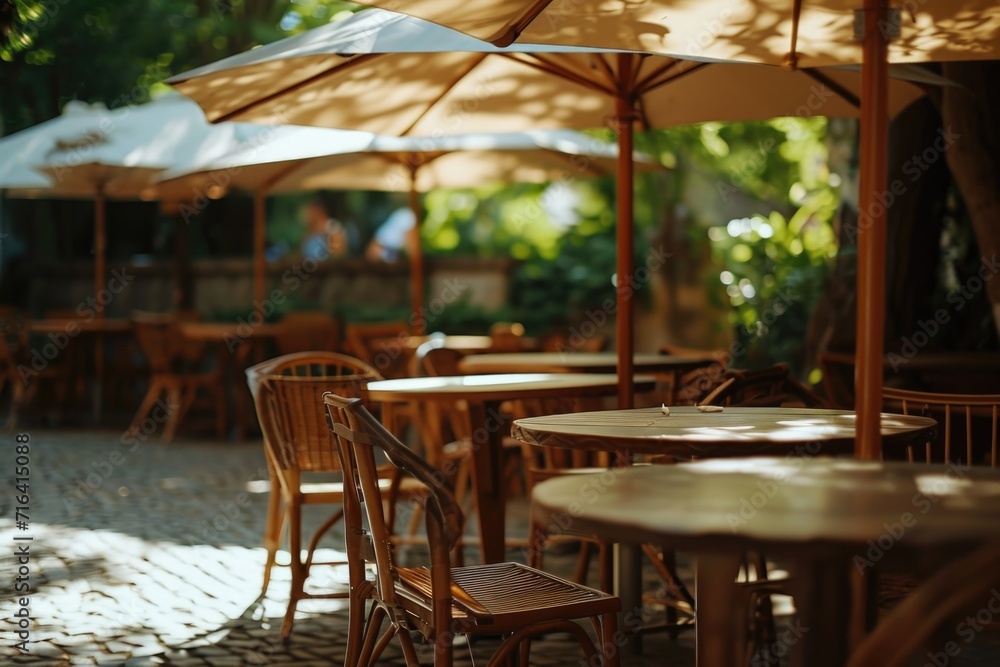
x,y
628,585
821,588
486,427
720,616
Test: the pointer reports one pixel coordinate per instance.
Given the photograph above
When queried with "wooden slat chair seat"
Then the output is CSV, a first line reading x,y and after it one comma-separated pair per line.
x,y
287,393
441,601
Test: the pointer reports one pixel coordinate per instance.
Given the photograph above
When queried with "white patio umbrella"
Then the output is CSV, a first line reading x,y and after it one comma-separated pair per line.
x,y
393,74
91,152
296,159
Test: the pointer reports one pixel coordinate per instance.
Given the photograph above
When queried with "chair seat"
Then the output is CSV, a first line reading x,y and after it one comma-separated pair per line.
x,y
500,596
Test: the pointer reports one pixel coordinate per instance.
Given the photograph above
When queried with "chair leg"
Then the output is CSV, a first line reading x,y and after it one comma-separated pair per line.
x,y
148,402
294,515
175,410
609,647
17,403
272,530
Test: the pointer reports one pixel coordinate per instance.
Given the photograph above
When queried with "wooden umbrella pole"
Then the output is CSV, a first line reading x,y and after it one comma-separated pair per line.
x,y
259,241
871,233
100,245
417,261
625,266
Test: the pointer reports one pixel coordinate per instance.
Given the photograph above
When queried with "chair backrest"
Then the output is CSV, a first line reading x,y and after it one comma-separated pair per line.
x,y
768,387
967,424
360,436
303,331
287,394
506,336
838,377
13,340
381,344
697,383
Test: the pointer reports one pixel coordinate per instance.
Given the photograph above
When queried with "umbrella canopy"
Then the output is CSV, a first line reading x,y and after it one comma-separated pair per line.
x,y
302,158
808,33
394,74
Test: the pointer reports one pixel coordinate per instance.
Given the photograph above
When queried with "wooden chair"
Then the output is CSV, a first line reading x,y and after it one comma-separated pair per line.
x,y
21,372
967,432
175,371
302,332
383,345
288,394
507,337
506,599
838,378
560,341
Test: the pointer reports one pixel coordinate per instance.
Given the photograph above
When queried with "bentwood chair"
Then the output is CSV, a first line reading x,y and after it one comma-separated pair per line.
x,y
381,344
288,394
967,432
439,602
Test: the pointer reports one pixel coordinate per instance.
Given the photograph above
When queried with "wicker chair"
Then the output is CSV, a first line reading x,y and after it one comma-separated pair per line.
x,y
686,388
287,393
174,366
769,387
505,599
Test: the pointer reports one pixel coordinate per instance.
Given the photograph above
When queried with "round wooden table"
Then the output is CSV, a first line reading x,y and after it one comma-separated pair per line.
x,y
827,515
688,432
483,394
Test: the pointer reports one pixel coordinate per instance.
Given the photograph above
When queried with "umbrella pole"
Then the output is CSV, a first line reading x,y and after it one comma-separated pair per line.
x,y
625,264
871,235
100,252
259,241
417,261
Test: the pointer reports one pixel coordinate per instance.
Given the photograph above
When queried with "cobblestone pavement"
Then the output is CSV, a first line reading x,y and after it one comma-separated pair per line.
x,y
147,554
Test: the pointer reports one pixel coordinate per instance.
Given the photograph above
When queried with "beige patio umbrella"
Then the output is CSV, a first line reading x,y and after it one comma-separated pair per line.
x,y
392,74
804,33
296,159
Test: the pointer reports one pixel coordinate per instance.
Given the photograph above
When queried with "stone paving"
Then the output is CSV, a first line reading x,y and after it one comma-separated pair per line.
x,y
145,554
148,554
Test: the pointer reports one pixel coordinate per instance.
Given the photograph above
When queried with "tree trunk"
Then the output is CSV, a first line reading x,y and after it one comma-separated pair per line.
x,y
969,112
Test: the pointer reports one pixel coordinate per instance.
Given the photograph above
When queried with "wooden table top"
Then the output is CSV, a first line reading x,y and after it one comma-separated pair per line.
x,y
221,331
74,326
689,432
722,503
584,362
500,387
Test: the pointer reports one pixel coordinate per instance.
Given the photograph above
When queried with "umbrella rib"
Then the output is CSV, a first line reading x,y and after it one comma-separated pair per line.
x,y
653,84
554,69
664,68
444,91
350,64
838,89
513,31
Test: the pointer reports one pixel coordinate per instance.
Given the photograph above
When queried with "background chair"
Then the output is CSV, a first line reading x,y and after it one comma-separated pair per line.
x,y
383,345
288,394
24,374
967,425
768,387
304,331
176,372
686,388
440,601
507,337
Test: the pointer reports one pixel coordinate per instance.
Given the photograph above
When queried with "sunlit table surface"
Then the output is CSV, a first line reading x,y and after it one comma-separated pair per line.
x,y
824,514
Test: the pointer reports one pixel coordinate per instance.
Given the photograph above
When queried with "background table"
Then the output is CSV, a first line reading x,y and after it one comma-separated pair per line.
x,y
669,366
484,394
820,512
